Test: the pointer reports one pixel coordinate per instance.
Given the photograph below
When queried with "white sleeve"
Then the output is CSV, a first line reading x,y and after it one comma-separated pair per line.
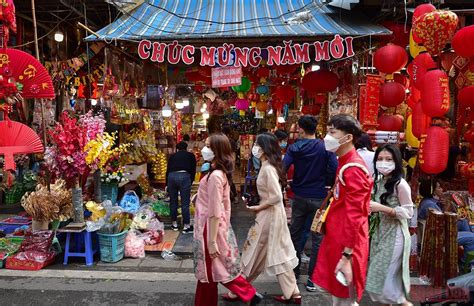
x,y
405,210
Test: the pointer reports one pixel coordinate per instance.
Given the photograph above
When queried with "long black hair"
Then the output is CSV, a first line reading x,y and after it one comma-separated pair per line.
x,y
269,144
395,176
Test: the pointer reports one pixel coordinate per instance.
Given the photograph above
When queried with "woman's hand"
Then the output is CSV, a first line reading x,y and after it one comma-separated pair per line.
x,y
213,249
375,207
254,208
345,266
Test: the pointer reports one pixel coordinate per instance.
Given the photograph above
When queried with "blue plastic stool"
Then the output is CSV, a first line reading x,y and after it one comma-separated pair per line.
x,y
84,246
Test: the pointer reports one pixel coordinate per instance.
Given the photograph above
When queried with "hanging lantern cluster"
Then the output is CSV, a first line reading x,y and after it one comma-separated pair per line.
x,y
242,103
320,82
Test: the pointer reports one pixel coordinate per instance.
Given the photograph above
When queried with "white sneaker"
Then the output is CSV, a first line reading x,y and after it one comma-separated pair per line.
x,y
304,258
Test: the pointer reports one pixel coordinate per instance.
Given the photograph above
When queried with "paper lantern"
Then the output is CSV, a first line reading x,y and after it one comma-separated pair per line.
x,y
263,72
244,87
321,81
392,94
285,93
285,69
435,93
420,122
399,36
434,150
390,59
311,109
392,123
401,79
435,29
242,104
262,106
411,139
421,64
419,12
463,42
415,48
466,97
262,89
414,97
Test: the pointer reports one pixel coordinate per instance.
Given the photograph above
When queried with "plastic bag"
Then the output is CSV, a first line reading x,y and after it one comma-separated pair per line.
x,y
161,208
145,219
130,201
152,237
134,245
40,241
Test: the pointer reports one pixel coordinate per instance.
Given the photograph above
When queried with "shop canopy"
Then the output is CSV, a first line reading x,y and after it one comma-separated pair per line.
x,y
217,19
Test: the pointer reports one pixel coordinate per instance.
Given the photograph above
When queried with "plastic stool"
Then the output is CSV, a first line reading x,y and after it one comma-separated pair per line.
x,y
83,240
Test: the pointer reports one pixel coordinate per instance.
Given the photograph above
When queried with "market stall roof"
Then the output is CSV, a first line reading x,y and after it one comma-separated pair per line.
x,y
214,19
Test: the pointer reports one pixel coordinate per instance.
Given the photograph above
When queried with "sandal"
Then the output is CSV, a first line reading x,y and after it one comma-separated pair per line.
x,y
230,298
293,300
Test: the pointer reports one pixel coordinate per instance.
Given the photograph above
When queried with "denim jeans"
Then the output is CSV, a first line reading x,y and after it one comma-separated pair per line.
x,y
180,182
301,210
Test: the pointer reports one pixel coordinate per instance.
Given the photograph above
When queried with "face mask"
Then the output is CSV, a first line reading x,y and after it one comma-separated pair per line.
x,y
207,154
332,143
385,167
283,145
257,151
205,167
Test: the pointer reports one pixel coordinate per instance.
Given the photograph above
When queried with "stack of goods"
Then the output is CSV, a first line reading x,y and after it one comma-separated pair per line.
x,y
8,247
107,219
145,227
34,253
125,111
159,166
143,147
44,205
439,254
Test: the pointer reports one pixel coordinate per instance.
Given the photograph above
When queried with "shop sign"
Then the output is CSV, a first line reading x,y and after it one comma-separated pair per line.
x,y
229,55
369,95
226,76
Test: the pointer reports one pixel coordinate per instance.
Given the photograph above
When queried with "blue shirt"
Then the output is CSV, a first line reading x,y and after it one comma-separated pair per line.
x,y
315,168
425,205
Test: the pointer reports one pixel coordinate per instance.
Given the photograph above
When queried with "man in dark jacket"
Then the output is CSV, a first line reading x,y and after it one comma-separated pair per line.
x,y
180,175
314,169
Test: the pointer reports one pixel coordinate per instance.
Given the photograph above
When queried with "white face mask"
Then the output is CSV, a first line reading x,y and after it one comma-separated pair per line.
x,y
332,143
207,154
257,151
385,167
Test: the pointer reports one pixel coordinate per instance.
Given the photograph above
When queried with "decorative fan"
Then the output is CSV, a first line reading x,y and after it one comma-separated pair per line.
x,y
17,138
28,71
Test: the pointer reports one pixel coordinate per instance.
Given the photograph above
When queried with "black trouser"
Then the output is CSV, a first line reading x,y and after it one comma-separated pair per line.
x,y
300,210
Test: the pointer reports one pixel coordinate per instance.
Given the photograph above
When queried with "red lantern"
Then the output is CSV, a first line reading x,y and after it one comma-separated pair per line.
x,y
262,106
311,109
400,78
420,122
419,12
414,98
466,97
469,135
391,123
421,64
321,81
435,29
285,69
463,42
435,93
400,37
285,93
390,59
263,72
434,150
392,94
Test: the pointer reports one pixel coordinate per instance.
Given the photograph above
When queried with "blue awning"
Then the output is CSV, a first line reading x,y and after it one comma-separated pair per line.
x,y
213,19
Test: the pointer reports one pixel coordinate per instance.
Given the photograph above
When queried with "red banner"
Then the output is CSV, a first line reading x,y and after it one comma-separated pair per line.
x,y
369,95
226,76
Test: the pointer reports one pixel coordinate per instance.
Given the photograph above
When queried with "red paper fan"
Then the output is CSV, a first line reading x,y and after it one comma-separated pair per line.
x,y
28,71
17,138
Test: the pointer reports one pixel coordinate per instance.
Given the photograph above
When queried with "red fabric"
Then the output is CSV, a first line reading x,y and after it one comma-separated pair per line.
x,y
207,293
289,192
346,226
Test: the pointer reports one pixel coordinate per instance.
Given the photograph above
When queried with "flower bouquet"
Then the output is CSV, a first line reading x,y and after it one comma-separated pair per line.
x,y
103,154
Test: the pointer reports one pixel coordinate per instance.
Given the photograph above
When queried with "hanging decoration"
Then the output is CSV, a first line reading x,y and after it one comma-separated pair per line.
x,y
435,29
435,93
421,64
418,14
414,47
392,94
285,93
411,139
393,123
321,81
390,58
420,121
463,42
7,17
369,97
434,150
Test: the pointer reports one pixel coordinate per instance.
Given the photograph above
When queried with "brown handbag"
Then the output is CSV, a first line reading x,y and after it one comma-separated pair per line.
x,y
316,226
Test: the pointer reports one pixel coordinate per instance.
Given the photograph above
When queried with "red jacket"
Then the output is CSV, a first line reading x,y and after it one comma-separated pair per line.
x,y
346,225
